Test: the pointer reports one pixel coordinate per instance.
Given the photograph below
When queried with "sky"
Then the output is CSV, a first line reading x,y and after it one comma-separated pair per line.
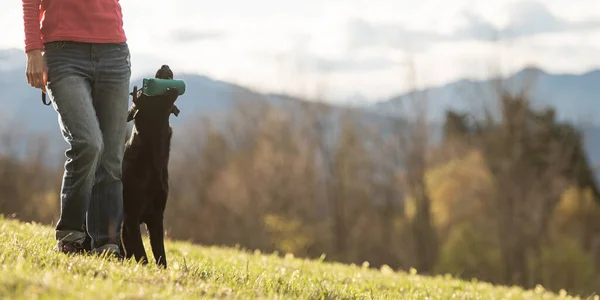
x,y
350,50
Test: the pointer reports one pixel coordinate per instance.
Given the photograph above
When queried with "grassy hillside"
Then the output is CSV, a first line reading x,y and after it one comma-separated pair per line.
x,y
30,270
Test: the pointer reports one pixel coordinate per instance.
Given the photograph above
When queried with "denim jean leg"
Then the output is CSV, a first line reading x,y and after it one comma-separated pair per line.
x,y
111,95
69,88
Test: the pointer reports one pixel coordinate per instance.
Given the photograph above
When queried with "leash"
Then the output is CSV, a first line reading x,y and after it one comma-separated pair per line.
x,y
44,99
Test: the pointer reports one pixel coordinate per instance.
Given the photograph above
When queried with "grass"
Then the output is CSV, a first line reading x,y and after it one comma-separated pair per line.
x,y
30,270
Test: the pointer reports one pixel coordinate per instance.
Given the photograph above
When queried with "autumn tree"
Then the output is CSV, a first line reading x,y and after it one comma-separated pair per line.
x,y
532,159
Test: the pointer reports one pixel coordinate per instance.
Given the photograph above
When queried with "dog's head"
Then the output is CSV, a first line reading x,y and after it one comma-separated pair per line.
x,y
149,111
164,72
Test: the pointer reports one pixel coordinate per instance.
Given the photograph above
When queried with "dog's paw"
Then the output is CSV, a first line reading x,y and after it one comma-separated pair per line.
x,y
134,92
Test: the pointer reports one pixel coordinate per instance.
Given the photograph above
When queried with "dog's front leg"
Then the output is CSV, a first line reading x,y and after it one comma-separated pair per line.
x,y
132,239
154,220
156,231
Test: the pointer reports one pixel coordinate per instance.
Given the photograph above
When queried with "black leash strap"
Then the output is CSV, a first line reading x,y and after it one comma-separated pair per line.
x,y
44,99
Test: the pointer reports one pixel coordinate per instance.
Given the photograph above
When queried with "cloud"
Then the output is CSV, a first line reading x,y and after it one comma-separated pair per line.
x,y
477,28
193,35
532,18
348,65
364,34
527,18
311,62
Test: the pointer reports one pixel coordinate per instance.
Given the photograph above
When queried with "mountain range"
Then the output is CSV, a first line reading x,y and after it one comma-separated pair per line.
x,y
574,96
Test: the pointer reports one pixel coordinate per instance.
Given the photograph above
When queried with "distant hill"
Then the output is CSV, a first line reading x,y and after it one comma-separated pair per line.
x,y
573,95
576,97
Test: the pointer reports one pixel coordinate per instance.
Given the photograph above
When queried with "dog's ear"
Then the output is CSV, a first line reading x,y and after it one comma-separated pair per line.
x,y
131,113
175,110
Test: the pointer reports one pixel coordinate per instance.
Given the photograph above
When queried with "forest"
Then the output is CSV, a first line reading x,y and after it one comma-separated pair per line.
x,y
506,195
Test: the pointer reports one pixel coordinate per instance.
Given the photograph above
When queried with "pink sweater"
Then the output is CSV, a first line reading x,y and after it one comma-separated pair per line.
x,y
91,21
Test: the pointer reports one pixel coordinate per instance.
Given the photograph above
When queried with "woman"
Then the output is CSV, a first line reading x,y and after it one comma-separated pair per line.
x,y
77,54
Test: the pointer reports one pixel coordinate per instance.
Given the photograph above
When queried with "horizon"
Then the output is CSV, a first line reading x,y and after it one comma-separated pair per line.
x,y
359,52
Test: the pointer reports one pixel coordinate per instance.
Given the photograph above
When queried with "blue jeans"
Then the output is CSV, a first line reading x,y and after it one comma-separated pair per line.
x,y
89,88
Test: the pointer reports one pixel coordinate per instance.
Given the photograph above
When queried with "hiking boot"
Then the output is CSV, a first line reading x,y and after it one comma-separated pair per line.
x,y
68,247
110,250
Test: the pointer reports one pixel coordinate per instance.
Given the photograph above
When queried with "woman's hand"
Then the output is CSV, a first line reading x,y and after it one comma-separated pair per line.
x,y
36,69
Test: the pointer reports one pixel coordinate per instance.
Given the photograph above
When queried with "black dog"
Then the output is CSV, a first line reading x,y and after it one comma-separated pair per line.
x,y
145,174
